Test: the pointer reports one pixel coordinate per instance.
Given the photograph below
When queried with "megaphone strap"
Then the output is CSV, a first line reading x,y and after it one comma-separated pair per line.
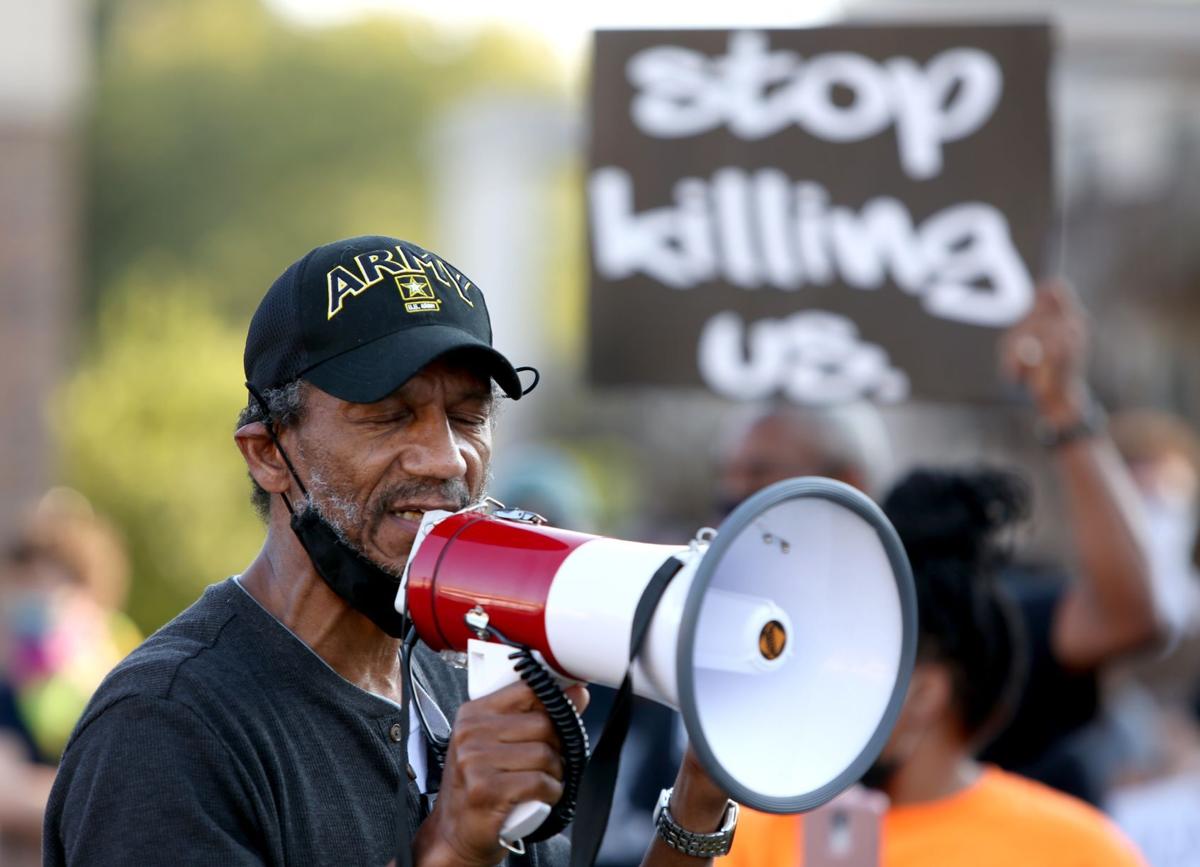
x,y
403,831
600,778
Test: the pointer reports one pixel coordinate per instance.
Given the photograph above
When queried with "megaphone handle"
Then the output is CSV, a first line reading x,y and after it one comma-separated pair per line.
x,y
489,669
524,819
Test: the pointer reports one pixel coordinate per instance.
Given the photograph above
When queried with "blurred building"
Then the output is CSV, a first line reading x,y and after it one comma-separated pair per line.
x,y
41,75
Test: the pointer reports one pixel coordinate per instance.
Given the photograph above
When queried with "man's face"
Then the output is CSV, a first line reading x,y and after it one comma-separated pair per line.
x,y
772,449
373,469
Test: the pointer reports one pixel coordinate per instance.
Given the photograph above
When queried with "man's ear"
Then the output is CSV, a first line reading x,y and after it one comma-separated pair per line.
x,y
263,460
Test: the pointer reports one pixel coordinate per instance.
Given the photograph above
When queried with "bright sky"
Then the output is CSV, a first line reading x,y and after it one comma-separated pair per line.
x,y
565,25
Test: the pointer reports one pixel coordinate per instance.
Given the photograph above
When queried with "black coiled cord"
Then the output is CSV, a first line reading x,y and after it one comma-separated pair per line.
x,y
569,727
571,734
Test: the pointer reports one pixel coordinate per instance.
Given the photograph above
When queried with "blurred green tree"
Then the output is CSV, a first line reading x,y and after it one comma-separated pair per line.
x,y
225,141
222,144
145,426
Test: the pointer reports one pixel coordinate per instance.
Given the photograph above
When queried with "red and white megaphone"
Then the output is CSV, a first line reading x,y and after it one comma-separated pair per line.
x,y
786,638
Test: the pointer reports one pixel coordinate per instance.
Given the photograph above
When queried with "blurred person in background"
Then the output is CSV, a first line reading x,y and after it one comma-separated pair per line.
x,y
1150,701
1072,628
947,808
62,583
1162,454
1109,608
784,442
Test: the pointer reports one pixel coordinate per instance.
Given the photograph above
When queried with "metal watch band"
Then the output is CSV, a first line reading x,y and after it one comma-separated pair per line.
x,y
1091,422
711,845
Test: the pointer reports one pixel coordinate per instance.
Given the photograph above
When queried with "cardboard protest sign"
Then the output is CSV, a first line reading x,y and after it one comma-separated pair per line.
x,y
823,214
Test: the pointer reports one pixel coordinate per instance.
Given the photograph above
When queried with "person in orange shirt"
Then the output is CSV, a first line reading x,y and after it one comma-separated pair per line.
x,y
947,809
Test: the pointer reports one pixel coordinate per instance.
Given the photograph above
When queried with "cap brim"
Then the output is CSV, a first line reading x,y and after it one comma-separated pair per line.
x,y
374,370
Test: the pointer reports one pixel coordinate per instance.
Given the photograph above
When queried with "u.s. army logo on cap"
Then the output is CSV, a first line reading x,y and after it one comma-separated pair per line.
x,y
417,294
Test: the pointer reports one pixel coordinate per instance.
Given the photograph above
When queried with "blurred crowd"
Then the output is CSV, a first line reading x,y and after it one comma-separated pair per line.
x,y
1054,708
1048,691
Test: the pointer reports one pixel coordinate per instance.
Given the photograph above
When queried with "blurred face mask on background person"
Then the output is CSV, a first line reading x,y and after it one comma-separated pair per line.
x,y
57,643
35,603
1168,489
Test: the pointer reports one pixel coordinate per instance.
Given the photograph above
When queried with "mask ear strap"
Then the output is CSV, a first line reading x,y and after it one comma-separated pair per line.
x,y
262,405
537,377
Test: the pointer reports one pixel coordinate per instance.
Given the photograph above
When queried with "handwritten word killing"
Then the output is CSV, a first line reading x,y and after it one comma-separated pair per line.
x,y
760,229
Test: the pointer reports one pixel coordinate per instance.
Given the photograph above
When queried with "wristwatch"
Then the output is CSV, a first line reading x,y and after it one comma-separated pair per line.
x,y
711,845
1091,422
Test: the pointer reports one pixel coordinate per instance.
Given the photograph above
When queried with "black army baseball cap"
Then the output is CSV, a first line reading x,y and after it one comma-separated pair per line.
x,y
359,317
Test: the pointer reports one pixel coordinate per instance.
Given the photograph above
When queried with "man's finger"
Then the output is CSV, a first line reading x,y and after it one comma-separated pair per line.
x,y
517,787
527,756
516,697
579,697
531,726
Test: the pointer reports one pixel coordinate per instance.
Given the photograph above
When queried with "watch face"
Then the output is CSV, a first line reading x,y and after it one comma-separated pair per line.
x,y
663,799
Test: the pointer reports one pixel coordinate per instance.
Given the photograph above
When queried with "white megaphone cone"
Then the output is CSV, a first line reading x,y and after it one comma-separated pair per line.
x,y
786,638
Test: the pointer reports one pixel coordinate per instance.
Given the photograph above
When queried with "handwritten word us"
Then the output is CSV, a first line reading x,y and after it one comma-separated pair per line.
x,y
812,357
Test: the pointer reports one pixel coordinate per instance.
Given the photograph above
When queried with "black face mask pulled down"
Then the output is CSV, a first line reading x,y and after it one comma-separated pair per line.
x,y
365,587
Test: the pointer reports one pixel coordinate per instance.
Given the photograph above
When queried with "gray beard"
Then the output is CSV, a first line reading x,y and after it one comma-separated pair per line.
x,y
343,514
335,510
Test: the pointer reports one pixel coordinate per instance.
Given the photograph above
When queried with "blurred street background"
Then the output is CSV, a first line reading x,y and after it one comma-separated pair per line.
x,y
160,162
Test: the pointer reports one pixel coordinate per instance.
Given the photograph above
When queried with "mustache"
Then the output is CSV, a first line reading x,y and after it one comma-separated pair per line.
x,y
453,492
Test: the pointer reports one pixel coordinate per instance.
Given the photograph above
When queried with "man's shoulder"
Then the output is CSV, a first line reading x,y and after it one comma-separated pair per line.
x,y
161,739
174,660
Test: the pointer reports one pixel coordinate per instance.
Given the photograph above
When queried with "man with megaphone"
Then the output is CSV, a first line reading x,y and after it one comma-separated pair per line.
x,y
311,710
264,724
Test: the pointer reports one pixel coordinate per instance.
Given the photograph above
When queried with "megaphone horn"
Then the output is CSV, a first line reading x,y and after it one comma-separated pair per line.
x,y
798,611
